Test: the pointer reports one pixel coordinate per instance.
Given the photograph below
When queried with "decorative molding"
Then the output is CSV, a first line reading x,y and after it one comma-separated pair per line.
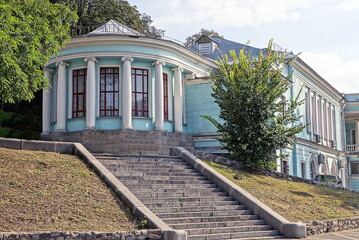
x,y
62,63
176,48
91,58
158,62
127,58
168,60
177,69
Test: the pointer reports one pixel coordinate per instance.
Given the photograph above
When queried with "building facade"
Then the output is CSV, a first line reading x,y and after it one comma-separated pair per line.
x,y
116,90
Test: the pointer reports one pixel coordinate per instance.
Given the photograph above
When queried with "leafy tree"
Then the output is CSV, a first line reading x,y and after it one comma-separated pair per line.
x,y
93,13
257,120
209,33
31,31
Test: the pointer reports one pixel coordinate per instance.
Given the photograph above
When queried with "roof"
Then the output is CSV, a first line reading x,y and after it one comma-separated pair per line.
x,y
114,28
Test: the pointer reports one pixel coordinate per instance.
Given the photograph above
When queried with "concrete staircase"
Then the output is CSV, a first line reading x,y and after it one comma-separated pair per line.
x,y
186,200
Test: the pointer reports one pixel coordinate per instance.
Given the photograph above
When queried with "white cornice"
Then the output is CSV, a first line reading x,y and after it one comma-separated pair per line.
x,y
144,42
318,146
334,95
170,60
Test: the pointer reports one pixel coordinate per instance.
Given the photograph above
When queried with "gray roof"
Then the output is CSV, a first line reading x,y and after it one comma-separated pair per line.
x,y
114,28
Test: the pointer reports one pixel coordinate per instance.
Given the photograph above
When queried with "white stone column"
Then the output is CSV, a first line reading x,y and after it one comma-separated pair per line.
x,y
91,93
61,97
159,105
178,99
46,105
126,93
356,133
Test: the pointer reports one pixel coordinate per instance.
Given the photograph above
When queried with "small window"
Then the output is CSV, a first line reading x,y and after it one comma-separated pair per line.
x,y
139,92
354,168
109,92
304,174
353,142
285,167
79,93
165,96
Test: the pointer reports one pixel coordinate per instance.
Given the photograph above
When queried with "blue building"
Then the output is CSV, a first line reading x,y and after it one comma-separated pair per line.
x,y
352,138
116,90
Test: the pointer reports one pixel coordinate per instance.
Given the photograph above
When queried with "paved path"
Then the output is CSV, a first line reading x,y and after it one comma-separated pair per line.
x,y
343,235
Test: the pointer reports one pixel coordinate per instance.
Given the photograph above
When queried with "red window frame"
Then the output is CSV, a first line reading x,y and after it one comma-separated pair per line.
x,y
78,106
139,79
109,94
165,96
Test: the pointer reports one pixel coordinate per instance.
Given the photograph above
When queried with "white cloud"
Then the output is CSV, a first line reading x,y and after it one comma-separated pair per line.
x,y
347,5
228,13
341,74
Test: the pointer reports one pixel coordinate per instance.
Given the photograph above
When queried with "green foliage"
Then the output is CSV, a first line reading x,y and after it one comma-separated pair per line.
x,y
31,31
257,121
93,13
209,33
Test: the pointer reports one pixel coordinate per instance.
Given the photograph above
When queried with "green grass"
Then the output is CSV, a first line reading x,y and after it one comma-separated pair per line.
x,y
293,200
42,191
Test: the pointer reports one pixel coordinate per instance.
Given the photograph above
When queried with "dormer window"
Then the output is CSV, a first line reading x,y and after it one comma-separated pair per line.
x,y
206,45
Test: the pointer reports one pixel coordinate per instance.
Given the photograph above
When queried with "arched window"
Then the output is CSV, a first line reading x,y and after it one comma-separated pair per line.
x,y
313,169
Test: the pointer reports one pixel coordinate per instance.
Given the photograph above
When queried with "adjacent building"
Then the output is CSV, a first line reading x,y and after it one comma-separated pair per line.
x,y
116,90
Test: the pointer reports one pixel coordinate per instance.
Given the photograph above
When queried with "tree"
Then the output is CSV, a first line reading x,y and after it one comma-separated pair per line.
x,y
209,33
93,13
257,120
31,31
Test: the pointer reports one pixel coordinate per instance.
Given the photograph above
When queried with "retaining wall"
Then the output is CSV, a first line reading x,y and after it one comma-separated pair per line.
x,y
332,225
127,142
132,235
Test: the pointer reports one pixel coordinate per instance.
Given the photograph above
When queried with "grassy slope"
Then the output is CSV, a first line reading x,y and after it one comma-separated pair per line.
x,y
294,201
48,191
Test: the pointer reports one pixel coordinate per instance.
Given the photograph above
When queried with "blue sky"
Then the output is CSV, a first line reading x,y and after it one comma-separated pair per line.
x,y
326,32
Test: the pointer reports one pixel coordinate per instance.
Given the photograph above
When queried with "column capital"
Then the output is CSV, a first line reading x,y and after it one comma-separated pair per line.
x,y
158,62
127,58
90,58
62,63
177,69
47,70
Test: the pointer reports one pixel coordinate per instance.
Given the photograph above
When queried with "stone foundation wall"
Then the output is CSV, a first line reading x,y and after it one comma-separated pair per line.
x,y
218,159
133,235
299,179
333,225
126,142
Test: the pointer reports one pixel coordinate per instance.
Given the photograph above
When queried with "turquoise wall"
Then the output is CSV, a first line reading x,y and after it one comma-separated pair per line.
x,y
200,102
111,123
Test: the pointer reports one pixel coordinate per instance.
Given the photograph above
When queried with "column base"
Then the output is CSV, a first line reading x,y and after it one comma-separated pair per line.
x,y
127,128
60,130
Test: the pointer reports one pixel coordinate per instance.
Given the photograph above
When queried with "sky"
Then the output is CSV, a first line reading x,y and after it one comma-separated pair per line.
x,y
325,32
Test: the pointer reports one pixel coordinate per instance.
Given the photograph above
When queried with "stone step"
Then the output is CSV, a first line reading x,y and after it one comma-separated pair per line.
x,y
141,194
130,176
209,219
168,209
171,189
204,214
191,204
185,199
182,226
157,170
169,186
135,157
145,163
140,168
235,235
146,182
249,228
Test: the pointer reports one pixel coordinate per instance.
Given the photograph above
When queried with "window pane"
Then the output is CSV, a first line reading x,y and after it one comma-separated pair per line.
x,y
355,168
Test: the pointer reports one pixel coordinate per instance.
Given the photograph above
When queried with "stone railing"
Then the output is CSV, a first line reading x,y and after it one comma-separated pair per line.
x,y
352,148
